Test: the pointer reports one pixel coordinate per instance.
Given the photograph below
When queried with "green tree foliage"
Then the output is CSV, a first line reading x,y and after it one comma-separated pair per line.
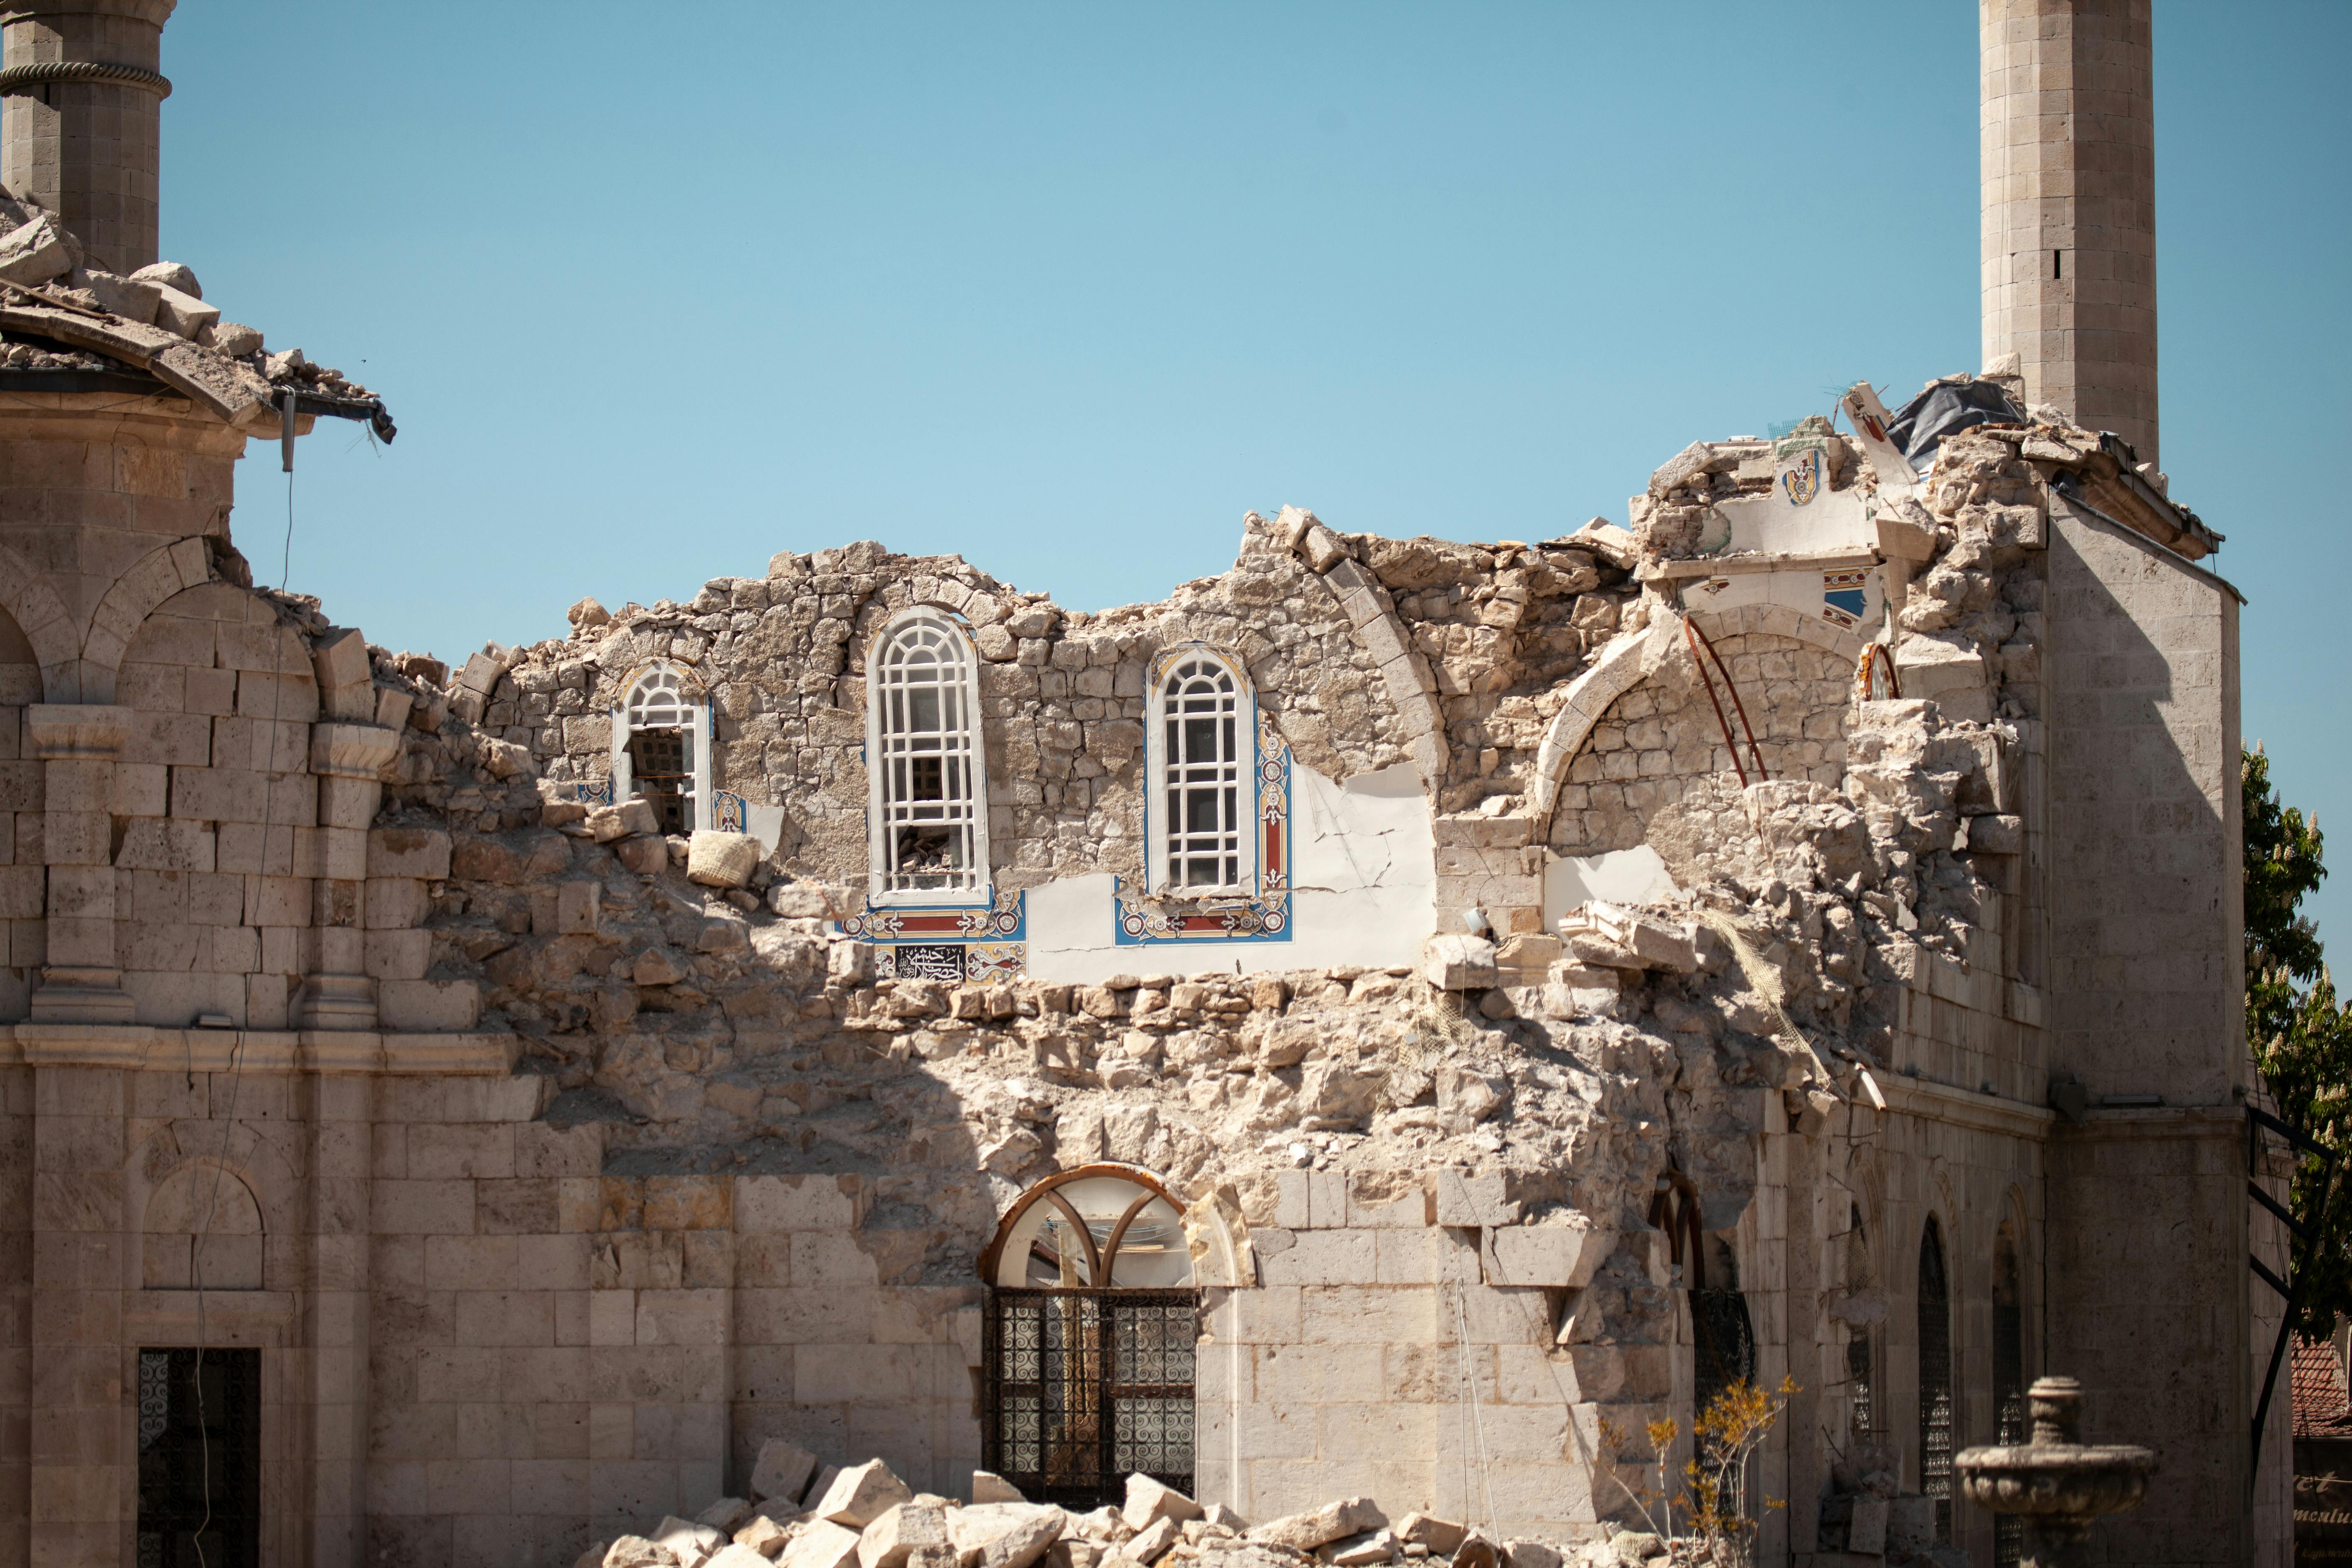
x,y
2302,1037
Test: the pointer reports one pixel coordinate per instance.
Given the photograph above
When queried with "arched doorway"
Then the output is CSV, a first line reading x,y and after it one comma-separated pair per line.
x,y
1723,1339
1935,1377
1087,1355
2010,1424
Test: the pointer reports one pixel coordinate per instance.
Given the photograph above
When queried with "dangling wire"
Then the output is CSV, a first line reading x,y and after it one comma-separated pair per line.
x,y
236,1050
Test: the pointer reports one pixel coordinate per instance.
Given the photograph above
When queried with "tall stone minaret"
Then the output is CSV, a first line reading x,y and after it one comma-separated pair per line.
x,y
78,124
2069,145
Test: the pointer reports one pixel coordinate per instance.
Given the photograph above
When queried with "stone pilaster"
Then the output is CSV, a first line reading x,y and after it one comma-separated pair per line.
x,y
76,744
349,760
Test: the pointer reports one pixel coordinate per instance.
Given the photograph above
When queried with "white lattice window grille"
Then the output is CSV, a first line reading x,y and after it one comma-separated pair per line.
x,y
661,748
1203,811
927,794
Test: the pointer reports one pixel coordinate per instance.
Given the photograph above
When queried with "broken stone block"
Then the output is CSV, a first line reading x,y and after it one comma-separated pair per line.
x,y
688,1541
636,1551
1442,1536
1306,1531
764,1536
233,339
727,1515
1477,1551
1223,1518
721,859
1068,1554
182,315
1520,1553
1470,1093
736,1555
1606,542
1150,1543
1992,835
631,817
783,1468
1359,1550
1005,1535
1148,1500
646,856
32,254
859,1494
1866,1534
1455,961
822,1544
124,297
1101,1524
588,613
987,1486
896,1532
171,275
1552,1256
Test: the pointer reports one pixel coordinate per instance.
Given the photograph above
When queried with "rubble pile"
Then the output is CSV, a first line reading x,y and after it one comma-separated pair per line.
x,y
805,1515
57,313
695,997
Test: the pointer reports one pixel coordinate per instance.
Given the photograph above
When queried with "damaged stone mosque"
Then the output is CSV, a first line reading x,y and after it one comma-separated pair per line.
x,y
871,1065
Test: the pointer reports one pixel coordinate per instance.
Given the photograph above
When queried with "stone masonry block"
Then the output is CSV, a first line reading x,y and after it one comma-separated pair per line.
x,y
428,1006
1323,1257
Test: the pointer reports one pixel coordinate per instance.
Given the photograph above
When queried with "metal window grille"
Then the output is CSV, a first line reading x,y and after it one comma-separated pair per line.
x,y
1861,1353
1209,821
1081,1389
928,762
199,1458
2008,1394
1861,1374
1935,1380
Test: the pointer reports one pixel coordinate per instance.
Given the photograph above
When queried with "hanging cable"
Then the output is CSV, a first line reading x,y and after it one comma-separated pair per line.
x,y
236,1050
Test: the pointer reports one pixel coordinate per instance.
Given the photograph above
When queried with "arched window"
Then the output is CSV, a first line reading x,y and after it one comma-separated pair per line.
x,y
1861,1362
926,792
1088,1343
661,748
1936,1378
2011,1423
1205,811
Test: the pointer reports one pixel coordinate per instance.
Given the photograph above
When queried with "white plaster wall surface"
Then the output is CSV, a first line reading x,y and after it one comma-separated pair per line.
x,y
1635,876
1364,894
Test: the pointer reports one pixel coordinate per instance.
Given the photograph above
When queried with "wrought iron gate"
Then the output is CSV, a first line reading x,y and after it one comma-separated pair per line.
x,y
1082,1388
199,1458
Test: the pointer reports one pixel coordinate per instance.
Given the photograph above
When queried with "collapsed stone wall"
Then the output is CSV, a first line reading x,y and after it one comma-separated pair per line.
x,y
707,1023
1665,737
1505,628
783,659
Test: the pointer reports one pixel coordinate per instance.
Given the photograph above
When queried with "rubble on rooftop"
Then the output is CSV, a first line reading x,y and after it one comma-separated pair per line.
x,y
58,315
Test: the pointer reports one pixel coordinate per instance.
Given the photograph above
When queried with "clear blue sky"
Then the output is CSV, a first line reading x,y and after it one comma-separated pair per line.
x,y
655,291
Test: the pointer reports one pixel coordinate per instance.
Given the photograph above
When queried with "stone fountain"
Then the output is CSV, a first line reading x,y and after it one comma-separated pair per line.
x,y
2059,1484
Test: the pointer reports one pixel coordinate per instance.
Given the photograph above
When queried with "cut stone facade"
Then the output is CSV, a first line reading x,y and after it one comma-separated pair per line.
x,y
575,1068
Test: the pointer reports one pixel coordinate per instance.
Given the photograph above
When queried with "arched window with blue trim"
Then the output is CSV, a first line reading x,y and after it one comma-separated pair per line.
x,y
1203,808
926,803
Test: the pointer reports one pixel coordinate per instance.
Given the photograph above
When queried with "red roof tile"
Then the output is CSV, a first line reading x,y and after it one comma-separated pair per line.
x,y
2321,1407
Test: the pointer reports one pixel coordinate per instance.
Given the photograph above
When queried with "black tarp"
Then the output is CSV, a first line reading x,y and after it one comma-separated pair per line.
x,y
1920,425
